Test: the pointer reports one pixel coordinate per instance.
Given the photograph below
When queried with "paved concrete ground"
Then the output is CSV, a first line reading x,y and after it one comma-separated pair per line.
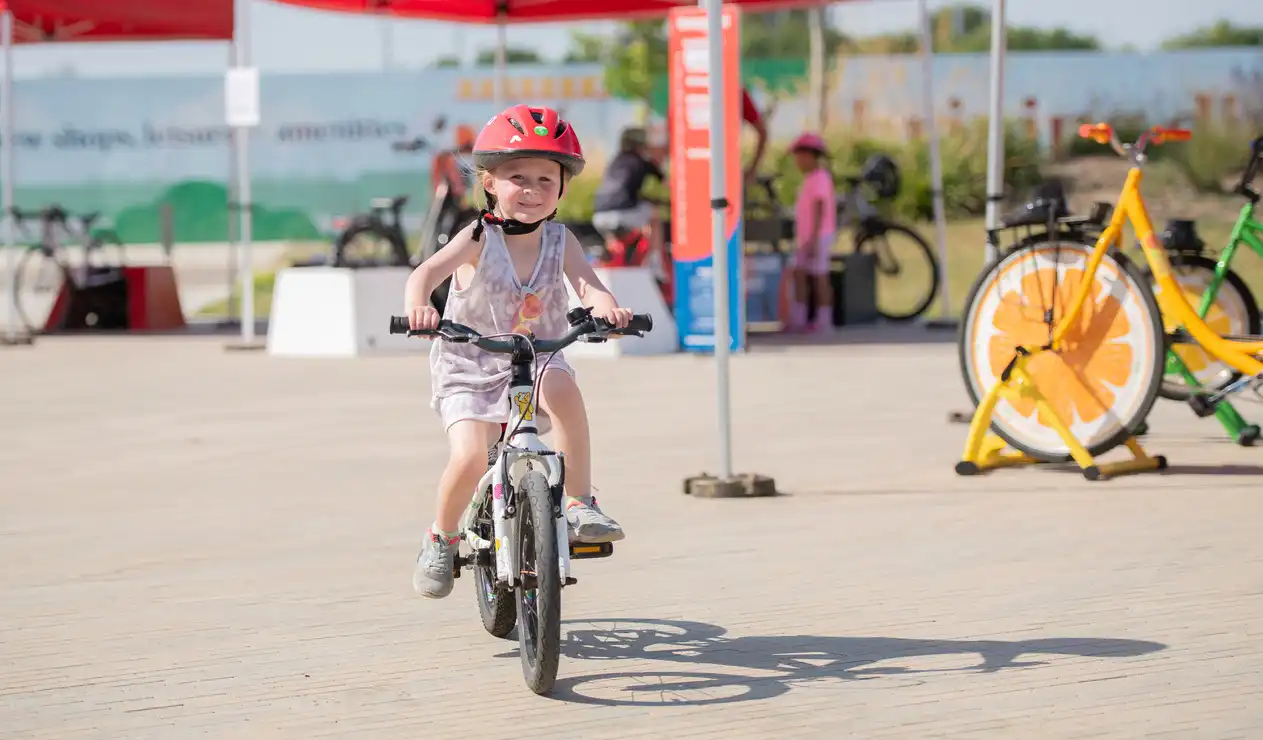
x,y
202,543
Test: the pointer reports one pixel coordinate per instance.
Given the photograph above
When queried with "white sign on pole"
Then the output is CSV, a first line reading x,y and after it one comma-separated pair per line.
x,y
241,97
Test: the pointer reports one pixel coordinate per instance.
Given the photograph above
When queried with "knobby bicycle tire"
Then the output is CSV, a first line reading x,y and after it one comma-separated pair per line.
x,y
541,651
496,605
865,241
398,250
1148,371
1177,390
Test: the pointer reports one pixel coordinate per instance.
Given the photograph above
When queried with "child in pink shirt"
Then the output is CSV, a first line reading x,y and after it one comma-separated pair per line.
x,y
815,213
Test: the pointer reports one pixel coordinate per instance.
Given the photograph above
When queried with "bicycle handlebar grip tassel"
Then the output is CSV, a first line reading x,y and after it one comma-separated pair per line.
x,y
398,324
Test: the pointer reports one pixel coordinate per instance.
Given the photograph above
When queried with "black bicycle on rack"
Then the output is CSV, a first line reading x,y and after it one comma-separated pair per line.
x,y
92,289
378,238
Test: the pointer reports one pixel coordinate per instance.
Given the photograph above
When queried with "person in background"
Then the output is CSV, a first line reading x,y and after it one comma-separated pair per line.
x,y
618,204
816,229
751,116
447,167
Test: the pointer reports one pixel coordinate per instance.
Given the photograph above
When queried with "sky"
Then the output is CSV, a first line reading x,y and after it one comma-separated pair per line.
x,y
291,39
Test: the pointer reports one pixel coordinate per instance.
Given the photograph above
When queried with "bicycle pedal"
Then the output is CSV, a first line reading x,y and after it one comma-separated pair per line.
x,y
587,550
1201,406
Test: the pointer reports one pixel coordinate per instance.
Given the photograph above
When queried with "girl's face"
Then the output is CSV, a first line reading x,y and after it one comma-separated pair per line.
x,y
806,161
526,189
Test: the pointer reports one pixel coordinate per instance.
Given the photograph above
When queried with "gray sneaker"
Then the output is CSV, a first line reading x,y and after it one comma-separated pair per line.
x,y
588,523
433,575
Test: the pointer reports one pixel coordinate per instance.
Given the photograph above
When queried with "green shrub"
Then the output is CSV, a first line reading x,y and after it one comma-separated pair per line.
x,y
964,155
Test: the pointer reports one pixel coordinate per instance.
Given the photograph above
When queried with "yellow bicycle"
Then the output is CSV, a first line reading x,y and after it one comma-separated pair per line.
x,y
1063,346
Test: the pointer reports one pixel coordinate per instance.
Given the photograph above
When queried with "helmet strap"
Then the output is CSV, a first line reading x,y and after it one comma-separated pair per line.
x,y
510,226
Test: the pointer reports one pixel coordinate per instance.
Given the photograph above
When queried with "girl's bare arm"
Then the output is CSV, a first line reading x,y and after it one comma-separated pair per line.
x,y
462,249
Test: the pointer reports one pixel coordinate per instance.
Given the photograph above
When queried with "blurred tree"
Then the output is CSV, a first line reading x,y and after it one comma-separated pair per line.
x,y
487,57
446,62
1222,33
966,27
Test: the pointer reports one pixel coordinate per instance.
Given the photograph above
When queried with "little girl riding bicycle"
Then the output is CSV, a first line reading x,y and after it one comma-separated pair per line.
x,y
508,270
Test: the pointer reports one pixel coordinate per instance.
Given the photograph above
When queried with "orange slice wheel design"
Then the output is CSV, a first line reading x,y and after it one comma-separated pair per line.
x,y
1104,377
1232,313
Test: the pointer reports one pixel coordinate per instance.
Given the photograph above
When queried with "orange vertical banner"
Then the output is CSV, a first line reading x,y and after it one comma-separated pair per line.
x,y
692,242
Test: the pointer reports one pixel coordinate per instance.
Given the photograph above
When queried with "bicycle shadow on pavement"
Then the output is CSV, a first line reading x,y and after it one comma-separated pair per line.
x,y
753,668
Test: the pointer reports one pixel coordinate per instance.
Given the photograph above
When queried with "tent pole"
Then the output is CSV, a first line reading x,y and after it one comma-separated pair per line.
x,y
995,131
241,45
233,136
13,335
945,319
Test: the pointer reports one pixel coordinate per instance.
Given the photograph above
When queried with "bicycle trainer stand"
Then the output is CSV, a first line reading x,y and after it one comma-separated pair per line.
x,y
985,451
1241,431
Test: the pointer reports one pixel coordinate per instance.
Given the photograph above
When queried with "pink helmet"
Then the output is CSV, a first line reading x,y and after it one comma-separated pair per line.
x,y
809,142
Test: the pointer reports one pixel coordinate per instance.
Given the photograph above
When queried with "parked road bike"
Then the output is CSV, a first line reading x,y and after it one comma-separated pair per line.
x,y
1087,330
514,532
907,270
378,238
46,266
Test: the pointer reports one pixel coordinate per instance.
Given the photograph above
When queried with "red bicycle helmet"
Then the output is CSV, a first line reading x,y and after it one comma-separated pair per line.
x,y
523,131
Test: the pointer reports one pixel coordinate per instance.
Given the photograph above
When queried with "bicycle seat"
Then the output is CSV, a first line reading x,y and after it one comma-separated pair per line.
x,y
87,219
388,204
54,213
1035,213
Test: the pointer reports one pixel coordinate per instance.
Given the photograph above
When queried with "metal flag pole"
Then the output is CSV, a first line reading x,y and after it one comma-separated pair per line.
x,y
719,227
725,485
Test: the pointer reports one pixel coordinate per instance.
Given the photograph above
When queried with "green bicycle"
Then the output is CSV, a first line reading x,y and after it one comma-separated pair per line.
x,y
1225,303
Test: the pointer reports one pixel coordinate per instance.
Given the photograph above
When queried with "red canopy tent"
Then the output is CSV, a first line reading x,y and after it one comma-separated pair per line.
x,y
51,21
45,21
527,11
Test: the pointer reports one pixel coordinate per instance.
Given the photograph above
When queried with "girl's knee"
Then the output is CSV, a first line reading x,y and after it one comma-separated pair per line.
x,y
559,392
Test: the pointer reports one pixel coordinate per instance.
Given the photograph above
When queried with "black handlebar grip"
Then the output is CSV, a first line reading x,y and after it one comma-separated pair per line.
x,y
398,324
641,322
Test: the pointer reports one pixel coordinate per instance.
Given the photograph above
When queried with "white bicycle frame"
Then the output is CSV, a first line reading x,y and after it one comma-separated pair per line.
x,y
518,453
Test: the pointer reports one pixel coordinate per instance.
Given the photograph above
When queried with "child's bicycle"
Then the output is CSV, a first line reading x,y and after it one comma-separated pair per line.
x,y
1063,346
515,526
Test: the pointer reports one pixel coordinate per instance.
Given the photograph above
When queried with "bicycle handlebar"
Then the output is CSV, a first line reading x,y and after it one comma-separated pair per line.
x,y
1103,133
587,325
56,214
1245,187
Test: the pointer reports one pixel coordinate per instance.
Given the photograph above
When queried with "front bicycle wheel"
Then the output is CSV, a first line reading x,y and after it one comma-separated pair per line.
x,y
539,590
1104,377
1233,312
907,272
37,285
496,604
